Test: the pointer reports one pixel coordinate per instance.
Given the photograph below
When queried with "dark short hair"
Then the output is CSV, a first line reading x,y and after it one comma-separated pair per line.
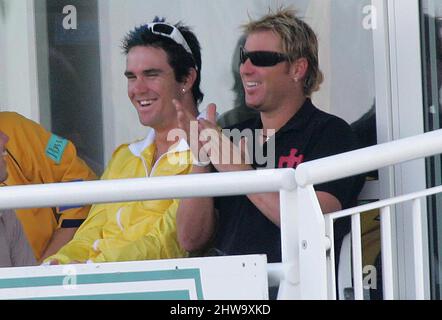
x,y
179,59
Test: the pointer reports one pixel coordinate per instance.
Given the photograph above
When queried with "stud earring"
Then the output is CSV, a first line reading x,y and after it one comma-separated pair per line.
x,y
184,90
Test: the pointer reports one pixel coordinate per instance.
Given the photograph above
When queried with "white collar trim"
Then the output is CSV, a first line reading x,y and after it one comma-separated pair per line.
x,y
137,147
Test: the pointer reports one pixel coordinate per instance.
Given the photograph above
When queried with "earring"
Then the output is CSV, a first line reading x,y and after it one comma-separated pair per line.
x,y
295,79
184,90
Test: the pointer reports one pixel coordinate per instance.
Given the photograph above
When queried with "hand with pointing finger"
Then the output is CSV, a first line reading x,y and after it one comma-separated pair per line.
x,y
190,125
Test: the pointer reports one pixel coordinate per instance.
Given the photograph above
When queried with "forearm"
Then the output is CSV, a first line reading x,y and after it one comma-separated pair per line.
x,y
60,237
267,203
75,251
328,202
195,219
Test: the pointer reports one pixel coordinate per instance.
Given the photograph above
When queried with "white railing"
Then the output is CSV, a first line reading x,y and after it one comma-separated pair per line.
x,y
221,184
365,160
387,263
307,267
123,190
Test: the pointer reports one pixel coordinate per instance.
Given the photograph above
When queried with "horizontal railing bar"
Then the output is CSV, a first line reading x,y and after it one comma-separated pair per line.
x,y
124,190
385,203
368,159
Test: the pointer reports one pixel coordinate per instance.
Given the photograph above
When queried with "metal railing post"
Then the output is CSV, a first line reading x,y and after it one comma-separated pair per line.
x,y
312,246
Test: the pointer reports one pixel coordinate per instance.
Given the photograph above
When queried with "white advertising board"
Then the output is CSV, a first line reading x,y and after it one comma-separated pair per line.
x,y
209,278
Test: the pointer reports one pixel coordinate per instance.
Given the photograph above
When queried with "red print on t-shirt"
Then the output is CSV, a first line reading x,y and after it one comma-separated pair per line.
x,y
291,161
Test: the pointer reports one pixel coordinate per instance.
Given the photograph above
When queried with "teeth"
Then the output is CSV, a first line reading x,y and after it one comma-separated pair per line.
x,y
146,103
251,84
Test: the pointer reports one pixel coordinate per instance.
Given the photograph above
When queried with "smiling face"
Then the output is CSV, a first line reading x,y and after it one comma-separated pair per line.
x,y
266,88
152,86
3,140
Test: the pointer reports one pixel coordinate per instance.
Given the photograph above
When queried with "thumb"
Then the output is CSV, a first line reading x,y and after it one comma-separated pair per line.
x,y
244,150
211,113
54,262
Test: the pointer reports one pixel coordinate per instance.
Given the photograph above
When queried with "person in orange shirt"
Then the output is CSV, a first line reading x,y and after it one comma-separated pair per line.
x,y
34,156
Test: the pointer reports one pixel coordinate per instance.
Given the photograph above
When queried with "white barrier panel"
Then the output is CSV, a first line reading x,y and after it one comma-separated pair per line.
x,y
210,278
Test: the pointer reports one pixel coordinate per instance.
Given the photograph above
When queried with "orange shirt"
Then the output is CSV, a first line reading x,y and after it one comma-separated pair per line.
x,y
37,156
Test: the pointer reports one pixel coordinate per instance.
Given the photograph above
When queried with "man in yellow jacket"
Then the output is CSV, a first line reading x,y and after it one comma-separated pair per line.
x,y
163,66
34,156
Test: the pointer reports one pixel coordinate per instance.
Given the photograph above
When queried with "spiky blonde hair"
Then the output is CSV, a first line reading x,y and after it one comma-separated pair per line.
x,y
298,41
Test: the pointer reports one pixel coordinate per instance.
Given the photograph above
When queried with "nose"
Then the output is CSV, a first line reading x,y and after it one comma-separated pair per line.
x,y
136,87
247,67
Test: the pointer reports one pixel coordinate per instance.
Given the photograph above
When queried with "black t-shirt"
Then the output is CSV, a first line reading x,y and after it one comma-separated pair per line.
x,y
310,134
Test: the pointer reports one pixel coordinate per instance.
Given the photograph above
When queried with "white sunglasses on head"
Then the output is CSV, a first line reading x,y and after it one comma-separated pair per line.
x,y
169,31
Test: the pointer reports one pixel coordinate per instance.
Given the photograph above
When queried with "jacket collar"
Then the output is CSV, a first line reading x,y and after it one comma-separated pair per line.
x,y
138,147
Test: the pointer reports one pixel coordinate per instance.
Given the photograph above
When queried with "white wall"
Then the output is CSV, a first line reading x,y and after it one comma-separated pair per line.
x,y
216,24
18,80
346,55
2,52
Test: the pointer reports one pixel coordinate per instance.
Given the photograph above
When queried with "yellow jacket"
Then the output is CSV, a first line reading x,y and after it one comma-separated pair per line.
x,y
37,156
140,230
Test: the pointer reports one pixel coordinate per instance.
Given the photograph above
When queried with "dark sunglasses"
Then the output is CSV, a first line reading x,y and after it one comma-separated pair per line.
x,y
262,58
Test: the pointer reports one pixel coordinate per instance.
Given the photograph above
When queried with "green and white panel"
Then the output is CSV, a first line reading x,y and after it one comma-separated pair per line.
x,y
239,277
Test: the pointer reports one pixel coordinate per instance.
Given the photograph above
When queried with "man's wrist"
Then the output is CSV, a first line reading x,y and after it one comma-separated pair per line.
x,y
201,169
201,161
233,167
198,163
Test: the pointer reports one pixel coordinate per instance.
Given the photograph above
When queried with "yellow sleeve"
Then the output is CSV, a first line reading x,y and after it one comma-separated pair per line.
x,y
81,245
160,243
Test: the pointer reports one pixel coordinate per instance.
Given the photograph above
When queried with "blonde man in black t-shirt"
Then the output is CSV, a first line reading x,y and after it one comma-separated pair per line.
x,y
279,71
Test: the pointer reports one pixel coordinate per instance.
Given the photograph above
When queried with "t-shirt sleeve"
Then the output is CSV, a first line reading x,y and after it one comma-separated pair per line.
x,y
337,137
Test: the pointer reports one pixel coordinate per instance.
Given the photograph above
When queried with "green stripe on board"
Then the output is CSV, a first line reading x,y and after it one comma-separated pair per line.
x,y
160,295
175,274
